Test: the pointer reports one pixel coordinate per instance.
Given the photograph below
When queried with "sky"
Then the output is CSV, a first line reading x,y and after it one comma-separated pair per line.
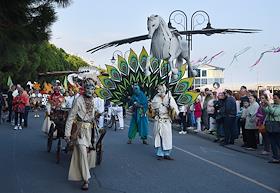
x,y
87,23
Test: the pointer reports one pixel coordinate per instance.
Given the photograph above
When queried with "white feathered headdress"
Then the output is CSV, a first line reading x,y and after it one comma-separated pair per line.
x,y
88,72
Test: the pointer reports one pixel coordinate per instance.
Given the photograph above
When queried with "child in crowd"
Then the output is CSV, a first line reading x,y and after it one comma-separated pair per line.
x,y
197,114
243,112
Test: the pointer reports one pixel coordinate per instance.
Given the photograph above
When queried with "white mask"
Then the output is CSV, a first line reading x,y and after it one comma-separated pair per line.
x,y
161,90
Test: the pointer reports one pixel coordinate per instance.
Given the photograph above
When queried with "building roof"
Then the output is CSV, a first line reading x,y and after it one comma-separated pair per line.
x,y
208,66
250,86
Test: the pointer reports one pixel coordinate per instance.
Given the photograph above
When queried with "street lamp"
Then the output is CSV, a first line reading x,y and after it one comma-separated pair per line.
x,y
178,14
201,14
113,60
184,23
92,62
125,54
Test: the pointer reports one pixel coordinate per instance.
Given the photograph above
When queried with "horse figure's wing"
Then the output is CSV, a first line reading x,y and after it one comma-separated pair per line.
x,y
218,31
119,42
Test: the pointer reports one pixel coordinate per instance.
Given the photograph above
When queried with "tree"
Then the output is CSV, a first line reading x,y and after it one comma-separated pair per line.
x,y
25,62
24,32
27,21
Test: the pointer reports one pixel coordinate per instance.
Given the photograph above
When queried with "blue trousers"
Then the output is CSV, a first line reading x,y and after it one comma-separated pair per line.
x,y
275,144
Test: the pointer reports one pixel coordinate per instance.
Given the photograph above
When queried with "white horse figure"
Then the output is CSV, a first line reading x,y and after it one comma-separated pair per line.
x,y
167,45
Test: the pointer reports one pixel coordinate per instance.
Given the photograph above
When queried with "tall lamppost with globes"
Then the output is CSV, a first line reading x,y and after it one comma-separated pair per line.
x,y
199,14
180,18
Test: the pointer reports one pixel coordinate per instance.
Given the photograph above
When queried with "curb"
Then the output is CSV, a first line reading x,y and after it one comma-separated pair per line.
x,y
210,137
236,147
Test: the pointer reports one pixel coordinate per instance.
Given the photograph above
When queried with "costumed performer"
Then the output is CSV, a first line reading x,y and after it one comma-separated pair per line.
x,y
165,109
139,119
100,106
84,153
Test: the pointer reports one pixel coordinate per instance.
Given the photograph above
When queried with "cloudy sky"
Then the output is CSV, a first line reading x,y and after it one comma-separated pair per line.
x,y
87,23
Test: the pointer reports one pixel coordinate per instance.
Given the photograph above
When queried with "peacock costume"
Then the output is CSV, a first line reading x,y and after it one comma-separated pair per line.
x,y
146,72
139,119
117,80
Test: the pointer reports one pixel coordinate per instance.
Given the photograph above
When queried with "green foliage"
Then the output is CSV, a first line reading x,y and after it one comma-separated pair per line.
x,y
26,21
24,32
24,62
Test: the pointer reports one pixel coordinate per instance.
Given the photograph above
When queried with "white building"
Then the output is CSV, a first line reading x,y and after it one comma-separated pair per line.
x,y
207,75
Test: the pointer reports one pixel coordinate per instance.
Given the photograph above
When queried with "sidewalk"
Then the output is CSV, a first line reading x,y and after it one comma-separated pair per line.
x,y
236,147
237,143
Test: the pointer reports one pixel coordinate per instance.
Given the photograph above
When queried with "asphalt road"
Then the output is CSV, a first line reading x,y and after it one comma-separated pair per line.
x,y
199,166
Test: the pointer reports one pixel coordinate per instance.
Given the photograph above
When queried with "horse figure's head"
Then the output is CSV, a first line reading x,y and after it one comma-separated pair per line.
x,y
153,23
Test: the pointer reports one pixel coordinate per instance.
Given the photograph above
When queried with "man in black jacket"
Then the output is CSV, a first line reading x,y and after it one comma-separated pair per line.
x,y
219,106
10,102
2,104
230,118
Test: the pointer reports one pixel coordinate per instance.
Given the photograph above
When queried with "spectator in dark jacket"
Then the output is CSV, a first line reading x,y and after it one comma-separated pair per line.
x,y
219,106
243,95
10,102
230,118
2,104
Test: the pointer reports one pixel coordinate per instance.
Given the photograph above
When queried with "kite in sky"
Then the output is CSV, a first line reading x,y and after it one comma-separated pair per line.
x,y
211,59
207,60
274,50
201,60
238,54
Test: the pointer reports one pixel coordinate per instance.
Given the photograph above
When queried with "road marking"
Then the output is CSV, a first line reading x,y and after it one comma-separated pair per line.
x,y
226,169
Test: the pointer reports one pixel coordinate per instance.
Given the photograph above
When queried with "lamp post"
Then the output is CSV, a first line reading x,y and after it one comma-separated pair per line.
x,y
113,59
178,14
126,54
201,14
184,23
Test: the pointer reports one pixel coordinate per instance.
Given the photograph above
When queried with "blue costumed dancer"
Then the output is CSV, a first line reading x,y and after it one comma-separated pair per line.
x,y
139,120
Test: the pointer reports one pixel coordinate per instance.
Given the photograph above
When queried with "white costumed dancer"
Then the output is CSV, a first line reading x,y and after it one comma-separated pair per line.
x,y
117,110
99,106
164,108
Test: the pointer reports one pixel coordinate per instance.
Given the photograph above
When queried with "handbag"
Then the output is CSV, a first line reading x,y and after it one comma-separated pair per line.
x,y
261,128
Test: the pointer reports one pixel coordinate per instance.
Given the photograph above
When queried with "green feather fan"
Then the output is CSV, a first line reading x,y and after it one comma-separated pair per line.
x,y
117,86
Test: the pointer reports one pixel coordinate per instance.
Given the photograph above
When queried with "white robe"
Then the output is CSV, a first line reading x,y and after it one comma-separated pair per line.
x,y
47,121
162,126
119,111
99,106
81,161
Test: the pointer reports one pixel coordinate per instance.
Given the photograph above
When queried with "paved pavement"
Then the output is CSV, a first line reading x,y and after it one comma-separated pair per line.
x,y
236,147
199,166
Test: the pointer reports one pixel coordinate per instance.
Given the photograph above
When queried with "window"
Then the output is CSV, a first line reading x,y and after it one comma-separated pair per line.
x,y
198,72
204,73
210,80
203,81
197,81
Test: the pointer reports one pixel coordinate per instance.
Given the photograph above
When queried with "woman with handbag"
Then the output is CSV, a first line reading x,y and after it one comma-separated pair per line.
x,y
261,117
272,125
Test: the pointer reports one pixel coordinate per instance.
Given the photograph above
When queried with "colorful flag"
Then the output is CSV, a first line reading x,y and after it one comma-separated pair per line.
x,y
65,83
10,82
